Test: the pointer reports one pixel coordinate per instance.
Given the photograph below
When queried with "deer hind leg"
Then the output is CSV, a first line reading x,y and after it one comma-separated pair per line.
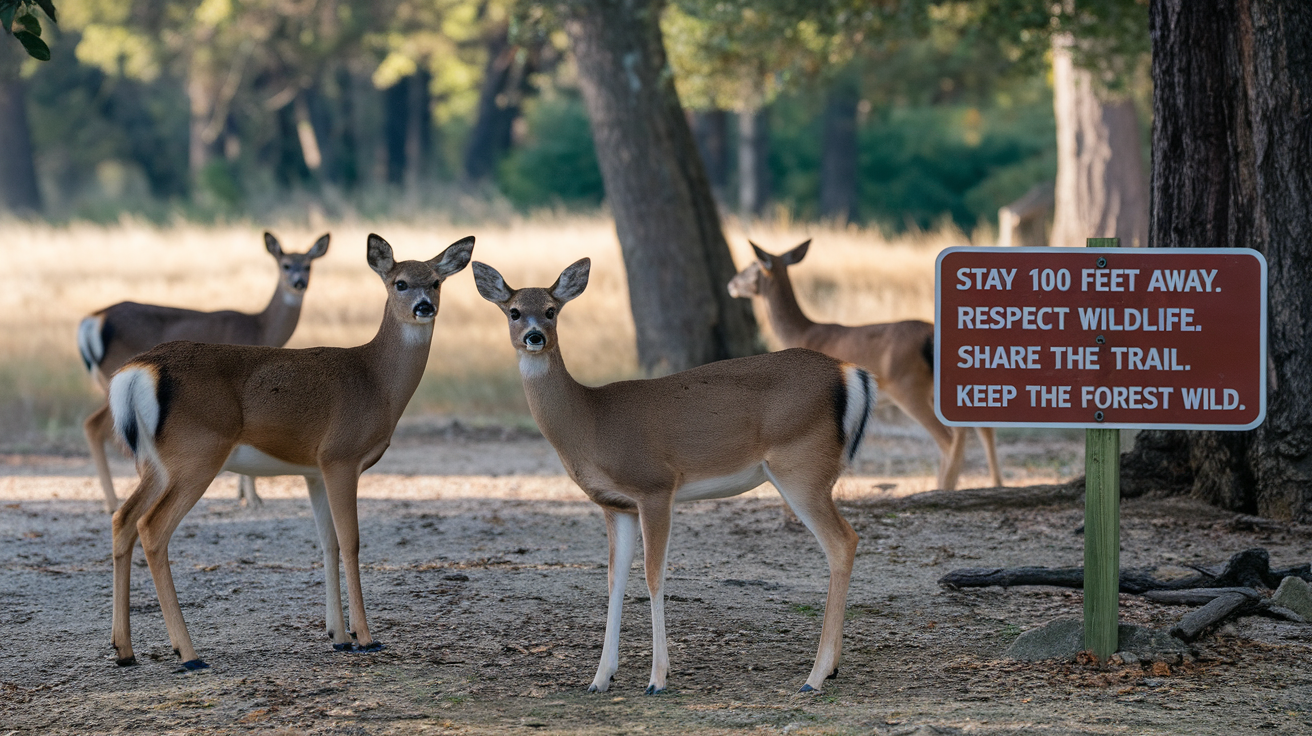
x,y
950,440
989,438
323,522
622,533
655,517
342,483
98,428
125,540
809,493
186,485
246,494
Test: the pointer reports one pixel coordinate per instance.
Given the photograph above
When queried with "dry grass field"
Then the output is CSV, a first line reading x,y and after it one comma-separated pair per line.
x,y
52,276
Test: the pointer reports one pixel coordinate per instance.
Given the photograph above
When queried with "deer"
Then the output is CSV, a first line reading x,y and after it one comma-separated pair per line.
x,y
189,410
110,337
793,418
899,354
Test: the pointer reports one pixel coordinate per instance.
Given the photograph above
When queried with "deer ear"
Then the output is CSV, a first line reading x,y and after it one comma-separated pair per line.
x,y
795,255
271,245
379,255
320,247
455,257
766,259
573,280
490,284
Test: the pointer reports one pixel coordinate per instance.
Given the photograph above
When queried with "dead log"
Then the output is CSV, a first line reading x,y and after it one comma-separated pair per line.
x,y
1247,569
1195,596
976,498
1221,608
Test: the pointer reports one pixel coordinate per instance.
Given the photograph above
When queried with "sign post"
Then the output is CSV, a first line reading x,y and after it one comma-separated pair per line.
x,y
1101,339
1102,528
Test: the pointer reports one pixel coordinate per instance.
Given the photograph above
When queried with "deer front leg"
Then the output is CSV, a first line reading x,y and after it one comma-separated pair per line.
x,y
342,483
98,427
246,492
656,518
323,522
990,440
622,533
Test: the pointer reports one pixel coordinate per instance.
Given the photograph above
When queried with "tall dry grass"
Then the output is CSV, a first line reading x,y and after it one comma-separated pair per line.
x,y
52,276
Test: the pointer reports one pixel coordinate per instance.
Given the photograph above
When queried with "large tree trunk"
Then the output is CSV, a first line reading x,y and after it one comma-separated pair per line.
x,y
711,129
838,159
675,255
498,105
1232,166
1101,190
202,93
753,152
18,187
406,129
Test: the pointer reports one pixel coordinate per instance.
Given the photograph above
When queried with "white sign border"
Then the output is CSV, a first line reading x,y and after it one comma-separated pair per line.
x,y
938,336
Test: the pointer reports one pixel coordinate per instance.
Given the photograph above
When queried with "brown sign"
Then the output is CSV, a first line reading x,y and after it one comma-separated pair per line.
x,y
1100,337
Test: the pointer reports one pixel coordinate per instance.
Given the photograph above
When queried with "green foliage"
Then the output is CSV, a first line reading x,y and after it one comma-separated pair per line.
x,y
556,163
19,18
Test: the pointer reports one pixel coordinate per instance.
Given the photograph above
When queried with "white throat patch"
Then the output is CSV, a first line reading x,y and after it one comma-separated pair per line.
x,y
413,334
533,365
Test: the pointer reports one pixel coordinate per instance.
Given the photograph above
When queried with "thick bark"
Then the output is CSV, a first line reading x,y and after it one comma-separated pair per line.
x,y
838,159
753,152
18,186
406,129
1232,167
1101,190
202,93
675,254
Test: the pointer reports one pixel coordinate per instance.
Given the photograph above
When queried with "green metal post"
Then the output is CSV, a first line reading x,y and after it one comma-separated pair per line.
x,y
1102,528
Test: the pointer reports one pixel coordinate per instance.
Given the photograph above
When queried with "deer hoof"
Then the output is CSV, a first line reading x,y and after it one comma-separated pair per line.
x,y
808,689
126,661
653,690
344,647
593,689
193,665
373,646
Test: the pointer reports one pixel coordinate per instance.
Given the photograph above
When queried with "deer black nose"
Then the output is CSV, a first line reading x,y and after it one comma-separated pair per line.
x,y
300,284
535,339
425,309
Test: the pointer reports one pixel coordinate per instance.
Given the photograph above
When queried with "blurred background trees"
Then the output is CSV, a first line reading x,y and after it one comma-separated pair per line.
x,y
899,114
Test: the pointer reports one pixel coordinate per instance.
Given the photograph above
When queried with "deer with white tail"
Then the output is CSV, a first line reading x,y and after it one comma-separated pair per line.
x,y
109,338
190,410
899,354
792,418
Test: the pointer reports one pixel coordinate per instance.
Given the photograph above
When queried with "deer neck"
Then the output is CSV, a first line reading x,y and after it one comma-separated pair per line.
x,y
558,402
786,317
278,320
397,357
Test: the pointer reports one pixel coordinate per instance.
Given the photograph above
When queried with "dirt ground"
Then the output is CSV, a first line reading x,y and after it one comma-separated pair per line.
x,y
485,576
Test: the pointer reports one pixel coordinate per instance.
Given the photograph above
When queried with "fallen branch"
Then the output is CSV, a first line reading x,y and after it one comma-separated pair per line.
x,y
1222,607
975,498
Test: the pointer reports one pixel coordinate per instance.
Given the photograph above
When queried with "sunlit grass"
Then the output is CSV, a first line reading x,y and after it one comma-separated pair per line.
x,y
52,276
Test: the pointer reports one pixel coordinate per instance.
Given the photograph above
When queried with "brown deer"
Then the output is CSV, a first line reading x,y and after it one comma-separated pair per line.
x,y
190,410
899,354
108,338
636,448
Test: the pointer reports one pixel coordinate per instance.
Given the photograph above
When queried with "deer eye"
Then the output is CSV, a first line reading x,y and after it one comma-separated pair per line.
x,y
402,286
286,267
514,314
437,285
551,314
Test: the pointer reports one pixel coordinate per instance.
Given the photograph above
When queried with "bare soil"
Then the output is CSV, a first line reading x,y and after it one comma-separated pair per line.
x,y
485,576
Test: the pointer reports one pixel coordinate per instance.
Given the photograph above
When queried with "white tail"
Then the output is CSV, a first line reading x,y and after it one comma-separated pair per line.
x,y
899,354
109,338
191,410
636,448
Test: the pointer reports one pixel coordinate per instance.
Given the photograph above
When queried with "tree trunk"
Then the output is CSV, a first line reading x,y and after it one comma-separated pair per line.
x,y
202,92
498,106
675,254
838,159
1101,191
1232,166
18,186
753,151
711,129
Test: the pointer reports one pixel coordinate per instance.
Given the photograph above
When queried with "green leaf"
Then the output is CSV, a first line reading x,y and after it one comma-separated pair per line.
x,y
49,7
36,48
7,11
30,23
